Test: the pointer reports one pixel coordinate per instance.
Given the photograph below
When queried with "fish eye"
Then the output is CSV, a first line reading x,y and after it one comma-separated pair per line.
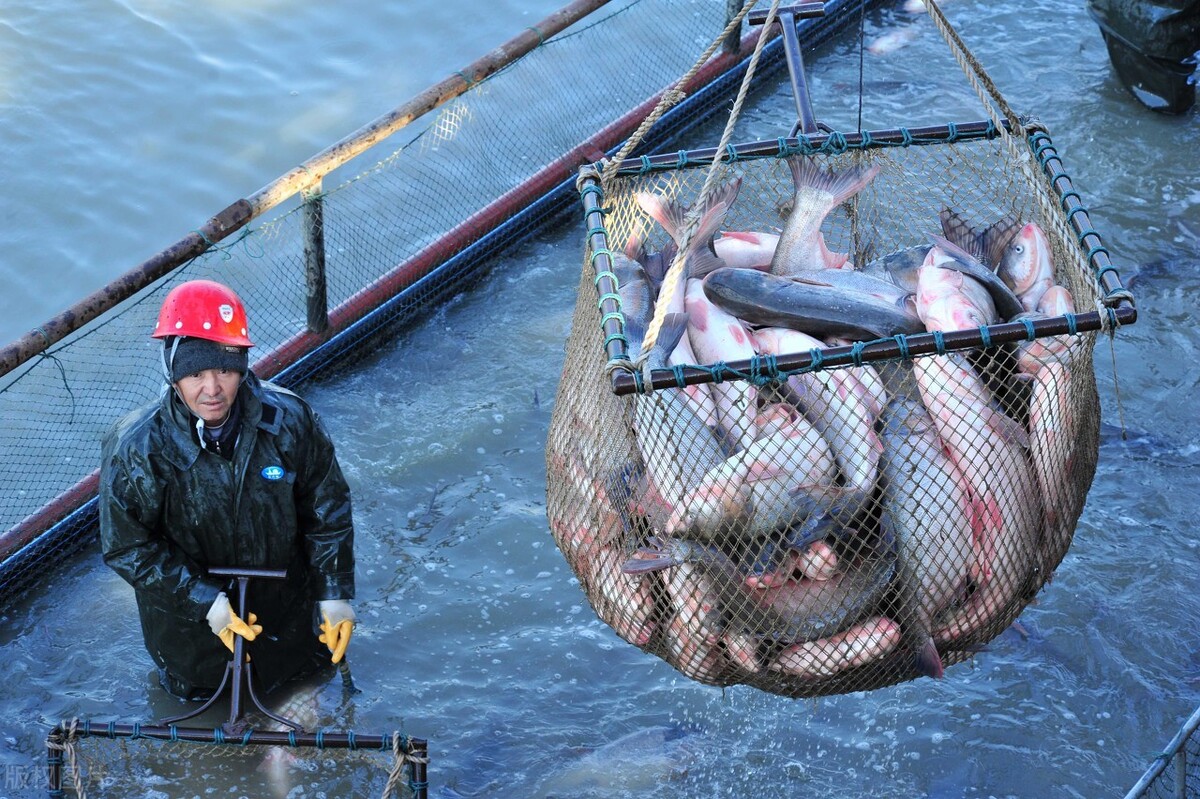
x,y
1018,248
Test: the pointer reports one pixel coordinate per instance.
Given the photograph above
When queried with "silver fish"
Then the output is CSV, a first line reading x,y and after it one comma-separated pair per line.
x,y
927,509
816,192
989,449
678,447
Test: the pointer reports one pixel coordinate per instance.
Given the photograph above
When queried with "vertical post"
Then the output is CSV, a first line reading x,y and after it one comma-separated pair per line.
x,y
314,259
419,749
54,762
733,42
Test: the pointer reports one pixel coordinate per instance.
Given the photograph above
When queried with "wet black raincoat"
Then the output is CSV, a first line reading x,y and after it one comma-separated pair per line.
x,y
170,509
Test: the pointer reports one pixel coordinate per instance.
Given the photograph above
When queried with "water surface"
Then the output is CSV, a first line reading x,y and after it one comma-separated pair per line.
x,y
474,633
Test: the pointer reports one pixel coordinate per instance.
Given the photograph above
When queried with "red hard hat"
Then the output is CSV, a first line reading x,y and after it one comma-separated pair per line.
x,y
203,309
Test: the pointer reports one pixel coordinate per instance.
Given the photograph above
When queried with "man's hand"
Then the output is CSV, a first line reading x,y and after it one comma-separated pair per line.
x,y
225,623
337,623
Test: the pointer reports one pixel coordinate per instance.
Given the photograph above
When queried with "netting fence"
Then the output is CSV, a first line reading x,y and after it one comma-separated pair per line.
x,y
1175,772
369,247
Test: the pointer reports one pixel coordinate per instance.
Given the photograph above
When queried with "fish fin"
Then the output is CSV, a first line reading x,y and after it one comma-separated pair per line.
x,y
701,258
1007,428
928,661
656,264
997,238
673,328
809,281
961,233
646,565
662,210
965,262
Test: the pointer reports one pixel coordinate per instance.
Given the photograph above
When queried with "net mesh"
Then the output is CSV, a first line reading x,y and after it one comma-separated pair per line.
x,y
830,529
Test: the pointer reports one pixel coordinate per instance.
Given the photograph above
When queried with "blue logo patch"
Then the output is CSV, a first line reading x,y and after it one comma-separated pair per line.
x,y
272,472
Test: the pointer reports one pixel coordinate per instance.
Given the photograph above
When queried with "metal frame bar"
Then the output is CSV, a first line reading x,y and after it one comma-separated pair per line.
x,y
417,749
1122,311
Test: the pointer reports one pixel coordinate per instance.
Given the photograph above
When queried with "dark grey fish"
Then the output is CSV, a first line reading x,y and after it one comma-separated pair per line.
x,y
900,267
817,309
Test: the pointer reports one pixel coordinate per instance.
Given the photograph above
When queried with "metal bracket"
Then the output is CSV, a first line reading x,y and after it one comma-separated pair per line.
x,y
787,18
240,672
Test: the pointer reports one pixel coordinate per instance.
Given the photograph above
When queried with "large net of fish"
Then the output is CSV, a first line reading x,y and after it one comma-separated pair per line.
x,y
832,529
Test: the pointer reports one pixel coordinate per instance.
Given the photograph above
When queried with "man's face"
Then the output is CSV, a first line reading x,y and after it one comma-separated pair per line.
x,y
210,394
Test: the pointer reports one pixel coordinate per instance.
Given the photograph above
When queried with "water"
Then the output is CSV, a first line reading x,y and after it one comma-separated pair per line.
x,y
127,124
473,632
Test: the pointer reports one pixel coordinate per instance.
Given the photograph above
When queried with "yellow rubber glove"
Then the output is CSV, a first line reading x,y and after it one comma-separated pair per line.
x,y
337,624
225,623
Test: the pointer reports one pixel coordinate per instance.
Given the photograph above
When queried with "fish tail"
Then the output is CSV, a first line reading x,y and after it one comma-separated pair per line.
x,y
928,661
959,232
842,184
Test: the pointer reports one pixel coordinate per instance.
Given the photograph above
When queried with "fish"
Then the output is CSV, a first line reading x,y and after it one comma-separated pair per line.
x,y
767,300
865,642
746,249
759,490
1033,355
892,41
637,301
988,447
948,299
717,336
678,447
842,410
1007,304
926,507
649,757
1054,433
1026,265
816,192
699,259
795,610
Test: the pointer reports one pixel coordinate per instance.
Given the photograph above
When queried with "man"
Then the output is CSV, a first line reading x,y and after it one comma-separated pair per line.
x,y
226,471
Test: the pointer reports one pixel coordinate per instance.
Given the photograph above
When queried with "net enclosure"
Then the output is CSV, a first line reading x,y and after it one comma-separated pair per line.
x,y
828,423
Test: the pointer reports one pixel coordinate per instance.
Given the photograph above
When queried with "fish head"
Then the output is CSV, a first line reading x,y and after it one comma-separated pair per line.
x,y
1026,259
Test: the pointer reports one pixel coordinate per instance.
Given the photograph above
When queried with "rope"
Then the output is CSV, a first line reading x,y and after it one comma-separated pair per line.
x,y
402,758
972,68
671,282
67,747
673,95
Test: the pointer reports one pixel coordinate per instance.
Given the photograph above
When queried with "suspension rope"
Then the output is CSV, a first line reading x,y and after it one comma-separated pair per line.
x,y
672,282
